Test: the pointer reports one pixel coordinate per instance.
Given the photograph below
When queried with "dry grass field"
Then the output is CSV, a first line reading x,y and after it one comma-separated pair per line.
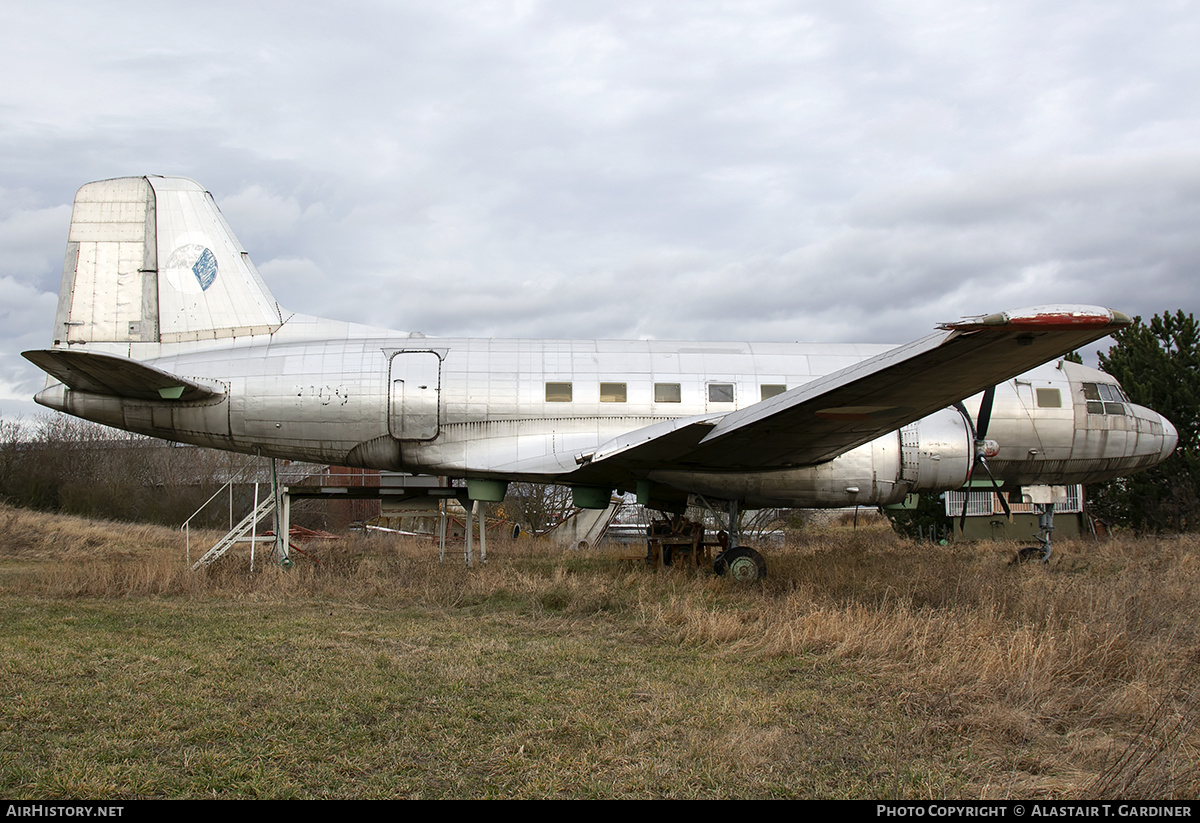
x,y
865,666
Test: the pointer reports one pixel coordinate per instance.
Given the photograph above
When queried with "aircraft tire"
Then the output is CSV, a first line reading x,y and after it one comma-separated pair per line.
x,y
743,564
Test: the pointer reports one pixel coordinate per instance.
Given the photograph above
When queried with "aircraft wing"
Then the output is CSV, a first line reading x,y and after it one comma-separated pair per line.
x,y
835,413
118,376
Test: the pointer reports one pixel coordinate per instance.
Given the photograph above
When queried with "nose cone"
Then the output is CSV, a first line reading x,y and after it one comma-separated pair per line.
x,y
1170,438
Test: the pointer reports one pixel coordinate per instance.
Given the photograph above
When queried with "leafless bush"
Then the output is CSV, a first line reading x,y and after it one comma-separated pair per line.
x,y
59,463
536,507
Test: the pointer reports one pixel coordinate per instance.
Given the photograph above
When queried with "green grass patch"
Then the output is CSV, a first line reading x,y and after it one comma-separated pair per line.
x,y
864,666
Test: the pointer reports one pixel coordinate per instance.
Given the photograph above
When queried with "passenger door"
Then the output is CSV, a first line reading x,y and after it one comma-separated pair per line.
x,y
414,378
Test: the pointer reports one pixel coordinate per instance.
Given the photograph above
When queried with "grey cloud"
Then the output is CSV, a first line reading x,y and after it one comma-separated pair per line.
x,y
848,171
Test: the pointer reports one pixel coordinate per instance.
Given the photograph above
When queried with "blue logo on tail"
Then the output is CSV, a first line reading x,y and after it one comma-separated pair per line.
x,y
205,269
197,259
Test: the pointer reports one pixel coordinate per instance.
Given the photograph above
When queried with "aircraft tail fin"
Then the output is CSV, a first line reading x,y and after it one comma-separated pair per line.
x,y
151,259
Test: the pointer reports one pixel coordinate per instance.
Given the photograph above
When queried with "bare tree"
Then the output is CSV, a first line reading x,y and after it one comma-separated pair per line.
x,y
537,507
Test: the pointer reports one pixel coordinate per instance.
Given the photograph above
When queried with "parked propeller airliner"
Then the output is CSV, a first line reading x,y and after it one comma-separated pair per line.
x,y
164,327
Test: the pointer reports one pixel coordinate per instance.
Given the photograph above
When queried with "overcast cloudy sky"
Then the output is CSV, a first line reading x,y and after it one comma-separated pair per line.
x,y
843,171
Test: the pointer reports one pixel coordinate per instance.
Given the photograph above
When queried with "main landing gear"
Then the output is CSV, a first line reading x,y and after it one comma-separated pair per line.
x,y
743,564
678,538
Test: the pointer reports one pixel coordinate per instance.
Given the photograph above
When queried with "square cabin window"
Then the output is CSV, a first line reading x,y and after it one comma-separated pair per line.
x,y
667,393
771,390
612,392
720,392
558,392
1049,399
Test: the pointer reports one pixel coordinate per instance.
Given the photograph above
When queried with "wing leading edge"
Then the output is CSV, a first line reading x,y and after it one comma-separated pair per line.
x,y
835,413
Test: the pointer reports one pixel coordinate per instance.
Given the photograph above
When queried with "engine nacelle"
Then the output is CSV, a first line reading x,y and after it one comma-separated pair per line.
x,y
932,454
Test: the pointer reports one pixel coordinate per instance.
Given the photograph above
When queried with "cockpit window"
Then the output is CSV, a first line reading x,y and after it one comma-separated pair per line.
x,y
1108,392
1104,398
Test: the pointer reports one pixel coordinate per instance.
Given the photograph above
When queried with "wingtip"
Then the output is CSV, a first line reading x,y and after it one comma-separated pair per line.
x,y
1046,317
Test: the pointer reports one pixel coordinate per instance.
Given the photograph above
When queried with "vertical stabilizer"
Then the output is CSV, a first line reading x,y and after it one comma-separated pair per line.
x,y
151,259
207,286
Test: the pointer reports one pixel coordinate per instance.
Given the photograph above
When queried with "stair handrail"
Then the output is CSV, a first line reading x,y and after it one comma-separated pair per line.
x,y
186,526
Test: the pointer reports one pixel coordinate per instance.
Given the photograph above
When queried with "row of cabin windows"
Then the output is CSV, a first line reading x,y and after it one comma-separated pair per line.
x,y
663,392
1102,398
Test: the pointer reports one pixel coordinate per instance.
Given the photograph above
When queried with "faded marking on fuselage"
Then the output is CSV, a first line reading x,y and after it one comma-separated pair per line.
x,y
325,394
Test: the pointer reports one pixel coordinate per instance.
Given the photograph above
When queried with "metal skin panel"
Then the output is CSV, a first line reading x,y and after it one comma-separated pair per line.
x,y
858,424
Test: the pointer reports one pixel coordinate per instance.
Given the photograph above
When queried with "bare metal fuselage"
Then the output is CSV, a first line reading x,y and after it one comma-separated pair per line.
x,y
329,392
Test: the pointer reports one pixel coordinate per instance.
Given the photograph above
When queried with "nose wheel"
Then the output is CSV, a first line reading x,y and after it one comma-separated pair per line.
x,y
1046,522
741,563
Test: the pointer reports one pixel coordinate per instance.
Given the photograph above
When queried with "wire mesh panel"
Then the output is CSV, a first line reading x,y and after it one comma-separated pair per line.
x,y
987,503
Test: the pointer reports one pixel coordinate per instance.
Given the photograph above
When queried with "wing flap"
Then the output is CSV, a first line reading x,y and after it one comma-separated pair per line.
x,y
118,376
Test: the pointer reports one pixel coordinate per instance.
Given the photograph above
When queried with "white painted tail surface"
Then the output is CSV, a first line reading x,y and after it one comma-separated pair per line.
x,y
151,259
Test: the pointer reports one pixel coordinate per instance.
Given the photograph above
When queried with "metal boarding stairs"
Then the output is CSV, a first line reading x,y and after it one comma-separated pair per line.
x,y
238,533
246,531
396,486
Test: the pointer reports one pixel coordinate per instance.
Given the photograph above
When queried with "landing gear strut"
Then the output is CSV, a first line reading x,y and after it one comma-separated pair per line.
x,y
1046,523
742,563
669,539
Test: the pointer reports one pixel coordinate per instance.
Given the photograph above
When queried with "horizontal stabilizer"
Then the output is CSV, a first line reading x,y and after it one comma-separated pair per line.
x,y
118,376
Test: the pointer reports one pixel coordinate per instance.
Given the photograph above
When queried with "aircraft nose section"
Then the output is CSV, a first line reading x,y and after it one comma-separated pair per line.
x,y
1170,438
